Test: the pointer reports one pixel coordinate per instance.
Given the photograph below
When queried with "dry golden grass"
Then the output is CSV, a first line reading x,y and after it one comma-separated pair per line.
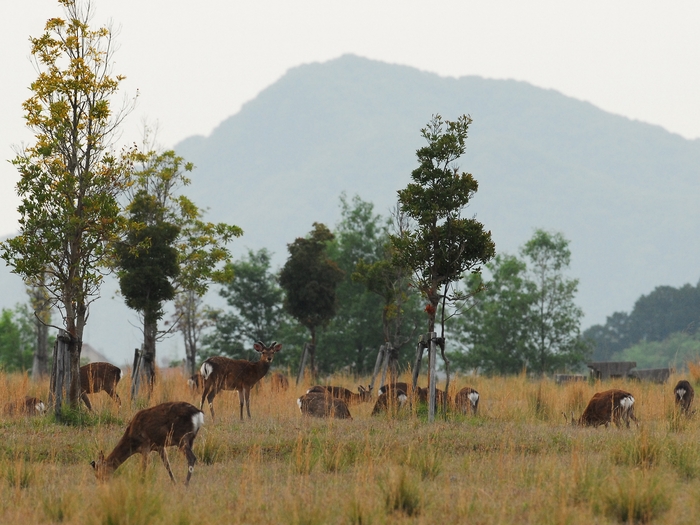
x,y
519,461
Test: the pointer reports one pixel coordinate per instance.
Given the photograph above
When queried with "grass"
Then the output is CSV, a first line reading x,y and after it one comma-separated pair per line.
x,y
519,461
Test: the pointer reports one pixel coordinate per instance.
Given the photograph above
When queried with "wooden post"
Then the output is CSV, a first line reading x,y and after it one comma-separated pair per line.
x,y
60,373
377,364
419,357
432,354
387,347
304,352
136,373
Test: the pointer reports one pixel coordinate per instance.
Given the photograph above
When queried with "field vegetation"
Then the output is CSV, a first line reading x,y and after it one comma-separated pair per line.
x,y
518,461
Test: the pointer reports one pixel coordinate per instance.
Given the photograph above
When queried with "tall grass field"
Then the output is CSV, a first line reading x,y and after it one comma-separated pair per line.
x,y
517,461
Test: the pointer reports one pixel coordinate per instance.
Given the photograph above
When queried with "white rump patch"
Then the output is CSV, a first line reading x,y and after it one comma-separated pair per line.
x,y
627,402
197,420
402,398
206,369
40,407
190,383
680,393
121,374
473,398
308,391
299,403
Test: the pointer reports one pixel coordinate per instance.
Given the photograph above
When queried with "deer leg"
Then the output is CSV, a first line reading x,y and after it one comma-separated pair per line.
x,y
191,460
85,399
210,394
164,456
113,394
247,401
241,399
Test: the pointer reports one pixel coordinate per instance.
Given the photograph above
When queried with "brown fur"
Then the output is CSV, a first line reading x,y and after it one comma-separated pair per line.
x,y
463,401
221,373
319,404
605,408
279,382
393,399
29,406
346,395
98,377
195,382
684,394
151,430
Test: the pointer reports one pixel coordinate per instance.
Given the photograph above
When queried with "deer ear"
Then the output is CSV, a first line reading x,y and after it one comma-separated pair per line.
x,y
259,346
276,346
93,465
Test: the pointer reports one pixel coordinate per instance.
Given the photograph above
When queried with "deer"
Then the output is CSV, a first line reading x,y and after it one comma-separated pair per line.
x,y
321,404
173,424
350,397
29,406
467,400
222,373
195,382
394,397
613,405
684,395
96,377
279,382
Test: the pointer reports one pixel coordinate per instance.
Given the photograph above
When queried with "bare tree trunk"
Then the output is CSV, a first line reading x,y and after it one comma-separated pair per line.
x,y
61,377
41,359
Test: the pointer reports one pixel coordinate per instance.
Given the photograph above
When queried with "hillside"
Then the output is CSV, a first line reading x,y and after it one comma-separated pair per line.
x,y
624,192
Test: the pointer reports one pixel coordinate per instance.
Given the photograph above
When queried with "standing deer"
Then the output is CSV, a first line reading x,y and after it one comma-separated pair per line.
x,y
684,395
172,424
95,377
322,404
467,400
279,382
29,406
613,405
222,373
346,395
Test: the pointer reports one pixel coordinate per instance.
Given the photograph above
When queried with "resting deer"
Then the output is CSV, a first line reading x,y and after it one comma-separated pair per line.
x,y
222,373
346,395
393,397
29,406
684,395
96,377
151,430
467,400
613,405
321,404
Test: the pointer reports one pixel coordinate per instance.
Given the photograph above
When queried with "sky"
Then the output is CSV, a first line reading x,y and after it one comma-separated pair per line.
x,y
195,64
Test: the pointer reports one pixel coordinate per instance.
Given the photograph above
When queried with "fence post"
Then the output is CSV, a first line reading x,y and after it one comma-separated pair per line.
x,y
385,365
432,354
60,373
377,364
419,357
302,365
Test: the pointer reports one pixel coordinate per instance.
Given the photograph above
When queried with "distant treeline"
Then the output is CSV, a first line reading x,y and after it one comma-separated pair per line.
x,y
655,317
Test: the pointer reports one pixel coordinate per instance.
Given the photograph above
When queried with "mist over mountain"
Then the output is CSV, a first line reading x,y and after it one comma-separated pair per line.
x,y
623,192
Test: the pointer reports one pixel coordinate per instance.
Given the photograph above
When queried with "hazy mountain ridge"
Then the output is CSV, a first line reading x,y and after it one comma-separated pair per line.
x,y
624,192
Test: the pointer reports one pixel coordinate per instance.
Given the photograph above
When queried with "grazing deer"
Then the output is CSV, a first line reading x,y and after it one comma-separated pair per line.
x,y
395,386
321,404
222,373
684,395
195,382
29,406
172,424
279,382
393,397
613,405
467,400
346,395
95,377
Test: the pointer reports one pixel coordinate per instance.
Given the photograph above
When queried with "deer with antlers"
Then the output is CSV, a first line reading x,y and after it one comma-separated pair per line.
x,y
174,424
610,406
339,392
221,373
98,377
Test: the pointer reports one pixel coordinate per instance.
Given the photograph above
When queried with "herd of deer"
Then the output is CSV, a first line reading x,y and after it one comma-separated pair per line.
x,y
177,423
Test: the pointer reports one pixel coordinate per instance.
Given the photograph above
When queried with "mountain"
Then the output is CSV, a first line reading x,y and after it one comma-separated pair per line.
x,y
623,192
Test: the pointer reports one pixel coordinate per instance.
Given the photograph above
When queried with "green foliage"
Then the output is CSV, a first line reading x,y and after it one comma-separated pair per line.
x,y
17,339
256,314
524,317
443,245
675,350
654,318
310,279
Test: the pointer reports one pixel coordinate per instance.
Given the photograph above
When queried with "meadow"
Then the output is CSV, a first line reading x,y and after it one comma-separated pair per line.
x,y
518,461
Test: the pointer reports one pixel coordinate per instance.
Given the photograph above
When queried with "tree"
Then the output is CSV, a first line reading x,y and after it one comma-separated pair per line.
x,y
495,328
17,339
168,249
191,319
70,180
442,245
309,279
256,301
41,304
556,336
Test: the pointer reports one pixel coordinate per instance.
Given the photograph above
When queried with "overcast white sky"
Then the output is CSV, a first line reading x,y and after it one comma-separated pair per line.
x,y
196,63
